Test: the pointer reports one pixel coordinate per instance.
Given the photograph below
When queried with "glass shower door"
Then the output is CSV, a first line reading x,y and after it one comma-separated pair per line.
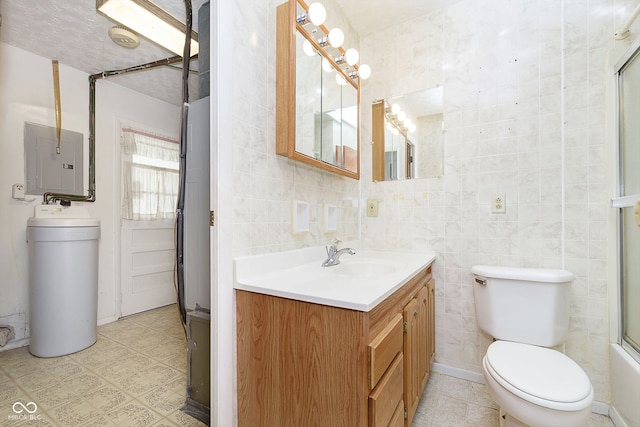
x,y
628,201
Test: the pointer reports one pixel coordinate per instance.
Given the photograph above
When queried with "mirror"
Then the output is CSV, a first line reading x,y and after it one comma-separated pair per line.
x,y
317,117
413,149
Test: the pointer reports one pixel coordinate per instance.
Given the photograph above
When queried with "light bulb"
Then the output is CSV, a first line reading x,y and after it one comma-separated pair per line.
x,y
340,80
352,56
412,128
317,14
336,37
395,109
307,47
402,115
407,122
364,71
326,65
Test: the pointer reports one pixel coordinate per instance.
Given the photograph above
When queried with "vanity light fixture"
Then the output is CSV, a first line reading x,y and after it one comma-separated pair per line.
x,y
308,48
346,61
352,56
364,71
316,15
150,21
336,37
397,120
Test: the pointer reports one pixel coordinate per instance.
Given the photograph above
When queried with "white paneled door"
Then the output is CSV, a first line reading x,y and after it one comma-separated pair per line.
x,y
147,265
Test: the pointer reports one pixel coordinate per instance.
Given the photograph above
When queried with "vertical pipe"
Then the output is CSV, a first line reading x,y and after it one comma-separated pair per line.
x,y
56,95
186,56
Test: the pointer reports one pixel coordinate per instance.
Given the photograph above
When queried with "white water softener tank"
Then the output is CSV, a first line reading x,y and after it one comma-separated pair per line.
x,y
63,280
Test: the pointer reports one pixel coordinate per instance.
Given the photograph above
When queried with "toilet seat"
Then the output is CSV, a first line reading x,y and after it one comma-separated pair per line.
x,y
539,375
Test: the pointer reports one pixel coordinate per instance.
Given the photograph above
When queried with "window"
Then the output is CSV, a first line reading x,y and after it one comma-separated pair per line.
x,y
150,175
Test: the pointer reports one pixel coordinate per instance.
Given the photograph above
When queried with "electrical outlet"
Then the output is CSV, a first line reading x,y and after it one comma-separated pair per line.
x,y
499,204
372,207
17,191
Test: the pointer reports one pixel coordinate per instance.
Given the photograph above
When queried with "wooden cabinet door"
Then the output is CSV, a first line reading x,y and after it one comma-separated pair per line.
x,y
416,359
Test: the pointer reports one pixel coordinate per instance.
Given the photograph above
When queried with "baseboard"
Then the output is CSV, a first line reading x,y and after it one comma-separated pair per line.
x,y
616,418
458,373
15,344
597,407
600,408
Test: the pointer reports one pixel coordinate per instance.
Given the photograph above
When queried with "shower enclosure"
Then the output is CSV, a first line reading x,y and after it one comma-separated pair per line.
x,y
625,354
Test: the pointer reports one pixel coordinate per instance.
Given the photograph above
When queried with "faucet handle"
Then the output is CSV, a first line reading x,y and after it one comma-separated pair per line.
x,y
336,242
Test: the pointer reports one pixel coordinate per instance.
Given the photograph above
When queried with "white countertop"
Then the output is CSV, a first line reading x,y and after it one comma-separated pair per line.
x,y
359,282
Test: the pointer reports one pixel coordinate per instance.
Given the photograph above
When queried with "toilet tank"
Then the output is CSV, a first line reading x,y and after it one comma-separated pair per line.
x,y
526,305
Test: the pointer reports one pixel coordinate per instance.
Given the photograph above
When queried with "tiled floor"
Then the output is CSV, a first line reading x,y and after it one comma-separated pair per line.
x,y
453,402
135,375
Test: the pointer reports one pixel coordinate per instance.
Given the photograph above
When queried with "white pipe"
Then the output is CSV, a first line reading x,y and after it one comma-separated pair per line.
x,y
623,32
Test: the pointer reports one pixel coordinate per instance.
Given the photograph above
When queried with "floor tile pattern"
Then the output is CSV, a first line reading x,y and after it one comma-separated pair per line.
x,y
454,402
134,375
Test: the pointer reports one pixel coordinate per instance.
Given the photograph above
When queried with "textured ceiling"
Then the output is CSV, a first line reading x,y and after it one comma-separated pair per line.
x,y
72,32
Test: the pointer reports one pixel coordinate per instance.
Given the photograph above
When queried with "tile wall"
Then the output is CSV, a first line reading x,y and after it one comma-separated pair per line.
x,y
265,184
524,84
525,102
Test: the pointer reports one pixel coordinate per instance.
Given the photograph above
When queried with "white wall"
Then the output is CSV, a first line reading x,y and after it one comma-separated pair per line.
x,y
264,184
525,100
26,94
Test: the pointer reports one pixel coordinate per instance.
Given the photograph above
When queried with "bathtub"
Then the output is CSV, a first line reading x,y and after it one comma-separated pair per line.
x,y
625,388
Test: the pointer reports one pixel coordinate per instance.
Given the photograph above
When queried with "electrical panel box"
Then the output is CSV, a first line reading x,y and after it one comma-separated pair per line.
x,y
46,169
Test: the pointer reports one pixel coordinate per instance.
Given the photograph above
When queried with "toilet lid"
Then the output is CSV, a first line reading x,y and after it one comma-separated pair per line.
x,y
537,371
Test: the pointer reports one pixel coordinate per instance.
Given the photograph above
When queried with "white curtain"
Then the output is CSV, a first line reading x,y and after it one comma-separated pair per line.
x,y
150,175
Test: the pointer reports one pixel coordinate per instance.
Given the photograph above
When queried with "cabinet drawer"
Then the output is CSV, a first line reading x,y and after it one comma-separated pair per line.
x,y
383,401
397,420
383,349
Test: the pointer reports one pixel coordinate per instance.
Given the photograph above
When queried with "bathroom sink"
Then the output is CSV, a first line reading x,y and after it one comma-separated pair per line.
x,y
363,268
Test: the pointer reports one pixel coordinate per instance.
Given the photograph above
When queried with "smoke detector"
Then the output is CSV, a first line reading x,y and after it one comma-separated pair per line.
x,y
124,37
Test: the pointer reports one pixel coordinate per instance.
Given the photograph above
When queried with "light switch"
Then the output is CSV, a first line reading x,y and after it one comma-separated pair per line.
x,y
637,212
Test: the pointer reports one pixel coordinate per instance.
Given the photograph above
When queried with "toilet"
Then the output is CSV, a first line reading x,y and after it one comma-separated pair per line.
x,y
526,311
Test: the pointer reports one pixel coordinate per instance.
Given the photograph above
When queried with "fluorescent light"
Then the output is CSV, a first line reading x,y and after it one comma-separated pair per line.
x,y
149,21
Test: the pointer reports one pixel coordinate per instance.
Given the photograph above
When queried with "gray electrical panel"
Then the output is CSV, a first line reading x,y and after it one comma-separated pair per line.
x,y
47,170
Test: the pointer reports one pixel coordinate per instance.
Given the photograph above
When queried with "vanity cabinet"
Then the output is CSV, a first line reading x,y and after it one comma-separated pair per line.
x,y
306,364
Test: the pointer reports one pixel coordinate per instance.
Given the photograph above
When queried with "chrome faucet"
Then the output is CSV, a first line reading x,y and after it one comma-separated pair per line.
x,y
334,254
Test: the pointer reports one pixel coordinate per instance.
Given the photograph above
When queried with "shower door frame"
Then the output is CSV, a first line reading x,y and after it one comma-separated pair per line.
x,y
623,201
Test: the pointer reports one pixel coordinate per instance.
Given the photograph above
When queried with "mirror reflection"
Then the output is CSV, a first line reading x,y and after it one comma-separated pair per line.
x,y
326,111
408,136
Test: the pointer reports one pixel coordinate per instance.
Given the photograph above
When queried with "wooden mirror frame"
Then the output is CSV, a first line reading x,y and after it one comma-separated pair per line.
x,y
286,30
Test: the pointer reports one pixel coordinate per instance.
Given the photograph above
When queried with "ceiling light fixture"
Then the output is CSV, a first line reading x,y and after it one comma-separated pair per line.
x,y
150,21
124,37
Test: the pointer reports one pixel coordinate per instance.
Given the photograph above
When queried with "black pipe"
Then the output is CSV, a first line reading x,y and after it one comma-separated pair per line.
x,y
91,197
183,164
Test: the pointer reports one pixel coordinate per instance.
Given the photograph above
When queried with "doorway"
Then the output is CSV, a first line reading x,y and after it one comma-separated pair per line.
x,y
149,187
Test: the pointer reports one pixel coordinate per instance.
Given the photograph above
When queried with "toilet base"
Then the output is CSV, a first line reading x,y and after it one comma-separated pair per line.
x,y
507,420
